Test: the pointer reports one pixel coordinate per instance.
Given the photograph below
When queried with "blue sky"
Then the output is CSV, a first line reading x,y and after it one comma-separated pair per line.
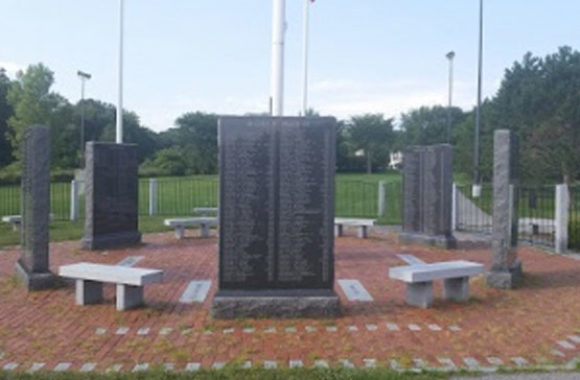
x,y
383,56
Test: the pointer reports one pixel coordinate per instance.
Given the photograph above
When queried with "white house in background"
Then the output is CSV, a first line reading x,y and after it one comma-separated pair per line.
x,y
396,160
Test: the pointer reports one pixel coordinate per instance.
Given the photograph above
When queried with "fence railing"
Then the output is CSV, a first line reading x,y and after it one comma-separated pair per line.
x,y
536,205
536,208
473,214
179,196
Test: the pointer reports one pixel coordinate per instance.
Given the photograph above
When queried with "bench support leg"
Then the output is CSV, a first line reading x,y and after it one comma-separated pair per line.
x,y
456,289
204,230
129,296
338,230
88,292
362,232
179,232
420,294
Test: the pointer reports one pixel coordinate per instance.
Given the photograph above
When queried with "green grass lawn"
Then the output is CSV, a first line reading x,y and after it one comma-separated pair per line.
x,y
356,196
232,373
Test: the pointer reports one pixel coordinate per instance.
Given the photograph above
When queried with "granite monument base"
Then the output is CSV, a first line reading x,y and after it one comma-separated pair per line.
x,y
229,304
123,239
440,241
505,279
37,281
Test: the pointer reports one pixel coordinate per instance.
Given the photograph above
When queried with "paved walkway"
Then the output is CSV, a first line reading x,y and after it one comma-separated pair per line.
x,y
534,325
526,376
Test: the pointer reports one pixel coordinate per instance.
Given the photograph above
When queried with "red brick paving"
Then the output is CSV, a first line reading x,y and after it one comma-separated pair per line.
x,y
47,326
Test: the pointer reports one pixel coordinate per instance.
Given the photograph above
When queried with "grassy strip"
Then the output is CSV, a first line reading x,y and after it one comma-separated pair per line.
x,y
63,231
233,374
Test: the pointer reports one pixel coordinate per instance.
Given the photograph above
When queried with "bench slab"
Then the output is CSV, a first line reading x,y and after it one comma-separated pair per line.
x,y
419,278
129,282
434,271
180,223
111,273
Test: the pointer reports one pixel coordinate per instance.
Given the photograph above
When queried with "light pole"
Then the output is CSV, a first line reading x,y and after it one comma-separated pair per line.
x,y
450,57
306,9
83,77
476,191
119,125
277,61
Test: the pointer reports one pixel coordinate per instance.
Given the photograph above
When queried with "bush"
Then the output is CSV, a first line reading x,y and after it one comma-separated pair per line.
x,y
11,174
574,235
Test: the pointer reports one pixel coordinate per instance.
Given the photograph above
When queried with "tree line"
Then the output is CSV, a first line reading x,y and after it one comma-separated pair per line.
x,y
538,100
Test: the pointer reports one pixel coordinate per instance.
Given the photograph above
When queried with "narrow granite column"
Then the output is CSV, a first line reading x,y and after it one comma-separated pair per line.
x,y
506,269
32,267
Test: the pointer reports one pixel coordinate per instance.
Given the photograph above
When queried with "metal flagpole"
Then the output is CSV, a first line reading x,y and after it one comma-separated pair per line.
x,y
450,57
277,62
305,57
476,192
119,129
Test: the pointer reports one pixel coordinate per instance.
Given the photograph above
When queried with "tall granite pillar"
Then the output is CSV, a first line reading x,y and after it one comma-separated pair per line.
x,y
112,196
276,218
427,195
33,266
506,268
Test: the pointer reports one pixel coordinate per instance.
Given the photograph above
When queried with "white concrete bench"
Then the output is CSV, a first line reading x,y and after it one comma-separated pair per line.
x,y
419,278
362,226
204,223
16,220
90,278
205,211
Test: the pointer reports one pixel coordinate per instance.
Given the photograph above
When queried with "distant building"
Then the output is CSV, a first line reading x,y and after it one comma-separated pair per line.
x,y
396,160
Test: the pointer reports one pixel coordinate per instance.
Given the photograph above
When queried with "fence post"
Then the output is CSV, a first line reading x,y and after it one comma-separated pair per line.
x,y
454,207
382,194
74,200
561,218
152,196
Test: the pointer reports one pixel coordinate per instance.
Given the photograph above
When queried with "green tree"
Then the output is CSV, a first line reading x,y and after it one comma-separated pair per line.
x,y
373,135
133,132
429,125
29,97
197,133
5,113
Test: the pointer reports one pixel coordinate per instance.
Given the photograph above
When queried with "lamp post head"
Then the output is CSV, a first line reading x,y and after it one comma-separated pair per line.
x,y
83,75
450,55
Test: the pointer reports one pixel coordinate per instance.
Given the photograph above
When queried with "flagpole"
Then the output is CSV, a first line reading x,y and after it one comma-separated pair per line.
x,y
277,62
119,125
305,57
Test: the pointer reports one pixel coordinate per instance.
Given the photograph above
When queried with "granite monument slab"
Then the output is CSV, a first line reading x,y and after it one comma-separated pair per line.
x,y
276,217
506,268
112,196
427,195
33,266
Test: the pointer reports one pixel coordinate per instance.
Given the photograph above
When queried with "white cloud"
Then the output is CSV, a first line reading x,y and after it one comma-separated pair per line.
x,y
343,98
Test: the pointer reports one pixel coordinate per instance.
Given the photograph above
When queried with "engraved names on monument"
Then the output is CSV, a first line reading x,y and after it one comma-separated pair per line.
x,y
247,180
305,209
276,216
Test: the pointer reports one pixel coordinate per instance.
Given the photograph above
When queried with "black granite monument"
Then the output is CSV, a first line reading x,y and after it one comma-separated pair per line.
x,y
427,195
276,217
33,266
112,196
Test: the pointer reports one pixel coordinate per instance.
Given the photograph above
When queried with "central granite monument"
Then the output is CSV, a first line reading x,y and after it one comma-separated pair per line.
x,y
276,215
